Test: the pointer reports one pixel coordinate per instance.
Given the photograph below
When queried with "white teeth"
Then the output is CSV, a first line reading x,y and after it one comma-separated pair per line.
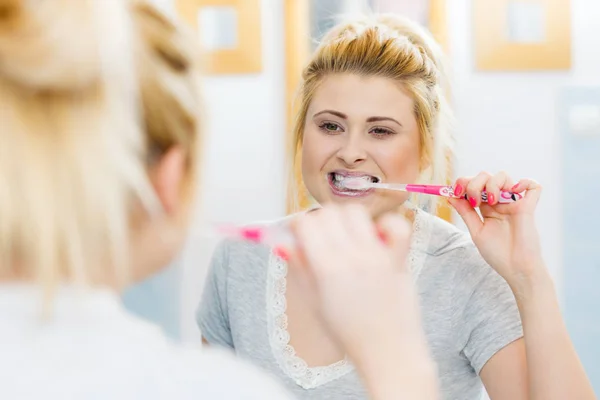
x,y
339,177
337,180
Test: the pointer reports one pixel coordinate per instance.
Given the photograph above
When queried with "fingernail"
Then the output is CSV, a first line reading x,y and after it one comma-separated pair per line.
x,y
512,189
491,198
472,202
458,190
252,234
382,236
282,253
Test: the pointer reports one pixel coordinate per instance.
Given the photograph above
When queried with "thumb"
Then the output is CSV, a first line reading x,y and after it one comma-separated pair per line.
x,y
397,231
468,214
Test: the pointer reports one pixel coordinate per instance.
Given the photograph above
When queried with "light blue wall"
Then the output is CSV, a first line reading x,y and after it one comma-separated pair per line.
x,y
581,232
158,299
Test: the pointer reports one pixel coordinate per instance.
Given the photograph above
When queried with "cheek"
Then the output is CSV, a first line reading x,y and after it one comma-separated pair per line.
x,y
315,152
399,163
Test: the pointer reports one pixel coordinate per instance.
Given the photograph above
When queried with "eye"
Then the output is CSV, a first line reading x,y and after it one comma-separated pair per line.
x,y
330,127
381,132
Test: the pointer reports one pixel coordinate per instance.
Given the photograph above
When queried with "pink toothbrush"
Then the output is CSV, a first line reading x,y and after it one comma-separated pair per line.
x,y
278,237
436,190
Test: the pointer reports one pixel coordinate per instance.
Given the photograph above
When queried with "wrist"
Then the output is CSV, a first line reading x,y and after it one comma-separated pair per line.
x,y
526,285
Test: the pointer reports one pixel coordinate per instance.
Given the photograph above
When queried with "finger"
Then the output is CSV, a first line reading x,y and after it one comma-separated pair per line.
x,y
322,238
311,243
297,262
397,231
295,256
460,186
533,188
475,187
360,225
283,252
495,184
468,214
329,222
304,276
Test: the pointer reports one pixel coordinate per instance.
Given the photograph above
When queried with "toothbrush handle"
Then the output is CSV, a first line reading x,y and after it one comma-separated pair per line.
x,y
448,191
505,197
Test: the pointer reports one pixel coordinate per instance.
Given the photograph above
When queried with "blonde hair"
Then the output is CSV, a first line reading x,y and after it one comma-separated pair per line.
x,y
393,47
90,92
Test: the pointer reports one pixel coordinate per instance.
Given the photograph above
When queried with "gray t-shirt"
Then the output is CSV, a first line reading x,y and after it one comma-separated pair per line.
x,y
468,312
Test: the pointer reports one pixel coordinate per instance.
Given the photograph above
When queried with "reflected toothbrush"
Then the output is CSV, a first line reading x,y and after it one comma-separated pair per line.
x,y
435,190
277,236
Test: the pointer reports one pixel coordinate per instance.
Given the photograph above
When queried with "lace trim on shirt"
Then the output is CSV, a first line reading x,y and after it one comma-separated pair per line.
x,y
279,337
419,242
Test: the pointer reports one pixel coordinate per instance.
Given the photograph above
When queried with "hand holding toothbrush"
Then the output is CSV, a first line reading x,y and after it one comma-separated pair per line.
x,y
505,234
508,240
507,237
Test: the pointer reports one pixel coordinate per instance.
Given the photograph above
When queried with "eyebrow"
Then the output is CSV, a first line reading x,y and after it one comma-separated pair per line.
x,y
336,113
344,116
377,119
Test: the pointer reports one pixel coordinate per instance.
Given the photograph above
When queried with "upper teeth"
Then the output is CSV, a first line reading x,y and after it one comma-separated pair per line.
x,y
339,177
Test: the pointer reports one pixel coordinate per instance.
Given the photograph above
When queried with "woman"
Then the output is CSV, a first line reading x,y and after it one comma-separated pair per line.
x,y
91,201
372,106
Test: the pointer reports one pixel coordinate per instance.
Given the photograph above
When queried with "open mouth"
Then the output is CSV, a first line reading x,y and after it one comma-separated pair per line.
x,y
336,179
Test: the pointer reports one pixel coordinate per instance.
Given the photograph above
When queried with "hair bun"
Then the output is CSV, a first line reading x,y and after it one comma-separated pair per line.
x,y
48,45
417,35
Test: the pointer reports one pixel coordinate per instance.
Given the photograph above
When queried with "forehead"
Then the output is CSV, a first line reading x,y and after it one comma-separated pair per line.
x,y
362,96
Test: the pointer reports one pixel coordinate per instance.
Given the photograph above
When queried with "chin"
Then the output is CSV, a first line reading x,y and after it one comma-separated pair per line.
x,y
374,203
368,201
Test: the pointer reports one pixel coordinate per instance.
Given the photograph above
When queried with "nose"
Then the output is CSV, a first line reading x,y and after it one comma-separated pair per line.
x,y
352,152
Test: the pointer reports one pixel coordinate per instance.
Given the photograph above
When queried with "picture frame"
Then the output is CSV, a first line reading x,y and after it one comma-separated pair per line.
x,y
522,35
230,33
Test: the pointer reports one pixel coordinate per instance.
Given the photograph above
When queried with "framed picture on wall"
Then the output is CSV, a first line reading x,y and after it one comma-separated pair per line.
x,y
229,31
522,35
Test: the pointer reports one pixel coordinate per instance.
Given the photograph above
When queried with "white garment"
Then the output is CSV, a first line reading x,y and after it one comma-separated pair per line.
x,y
89,347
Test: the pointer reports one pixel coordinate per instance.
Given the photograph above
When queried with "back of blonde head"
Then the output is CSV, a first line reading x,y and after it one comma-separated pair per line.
x,y
74,147
392,47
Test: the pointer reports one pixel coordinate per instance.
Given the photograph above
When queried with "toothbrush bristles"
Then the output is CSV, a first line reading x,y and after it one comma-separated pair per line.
x,y
355,183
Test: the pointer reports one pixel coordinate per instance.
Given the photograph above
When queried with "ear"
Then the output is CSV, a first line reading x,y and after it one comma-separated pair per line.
x,y
168,177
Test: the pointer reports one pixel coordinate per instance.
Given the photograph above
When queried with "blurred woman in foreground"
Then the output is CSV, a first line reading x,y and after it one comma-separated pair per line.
x,y
99,152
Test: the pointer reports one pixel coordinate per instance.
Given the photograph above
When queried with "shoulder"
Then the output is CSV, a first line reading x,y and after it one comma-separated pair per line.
x,y
171,370
444,241
451,254
174,370
443,238
456,279
216,373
